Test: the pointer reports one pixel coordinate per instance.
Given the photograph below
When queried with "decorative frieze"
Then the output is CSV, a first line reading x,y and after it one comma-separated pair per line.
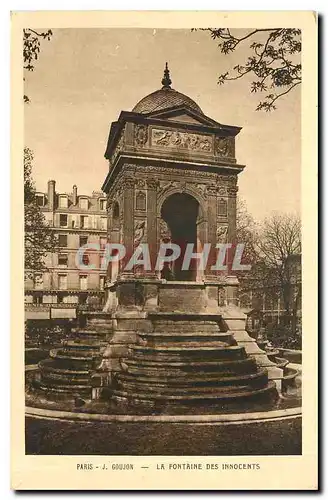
x,y
211,190
232,180
222,191
168,171
129,182
152,184
202,188
232,191
141,183
182,140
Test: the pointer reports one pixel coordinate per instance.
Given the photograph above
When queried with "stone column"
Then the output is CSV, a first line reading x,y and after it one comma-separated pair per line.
x,y
152,224
211,231
128,222
232,209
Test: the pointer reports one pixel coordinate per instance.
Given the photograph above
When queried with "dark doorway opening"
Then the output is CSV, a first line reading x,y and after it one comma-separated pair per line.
x,y
180,212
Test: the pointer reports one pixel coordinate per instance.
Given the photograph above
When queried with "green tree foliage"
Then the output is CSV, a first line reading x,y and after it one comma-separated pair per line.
x,y
274,60
31,48
39,237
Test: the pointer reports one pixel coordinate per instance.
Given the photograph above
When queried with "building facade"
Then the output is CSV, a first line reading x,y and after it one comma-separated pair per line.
x,y
72,278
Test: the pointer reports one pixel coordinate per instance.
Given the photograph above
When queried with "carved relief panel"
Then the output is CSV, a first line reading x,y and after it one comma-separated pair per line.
x,y
222,233
140,135
119,146
140,228
224,147
182,140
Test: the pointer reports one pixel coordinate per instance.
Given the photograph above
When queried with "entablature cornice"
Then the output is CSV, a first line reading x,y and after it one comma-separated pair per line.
x,y
159,166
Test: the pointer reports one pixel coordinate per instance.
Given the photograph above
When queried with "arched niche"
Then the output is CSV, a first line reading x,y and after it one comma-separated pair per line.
x,y
116,216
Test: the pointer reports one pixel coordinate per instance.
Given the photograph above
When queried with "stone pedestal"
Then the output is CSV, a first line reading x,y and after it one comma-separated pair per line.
x,y
234,321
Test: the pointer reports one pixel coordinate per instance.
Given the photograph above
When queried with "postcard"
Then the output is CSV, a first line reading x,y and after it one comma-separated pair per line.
x,y
164,241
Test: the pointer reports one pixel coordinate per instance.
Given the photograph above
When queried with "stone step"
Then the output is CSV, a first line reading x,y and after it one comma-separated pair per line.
x,y
184,317
186,344
72,355
82,345
214,397
100,321
91,332
57,377
180,353
170,338
216,391
174,368
185,327
97,315
194,380
52,365
66,389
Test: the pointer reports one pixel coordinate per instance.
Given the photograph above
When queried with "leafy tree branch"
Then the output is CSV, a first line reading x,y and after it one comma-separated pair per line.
x,y
273,61
39,237
31,48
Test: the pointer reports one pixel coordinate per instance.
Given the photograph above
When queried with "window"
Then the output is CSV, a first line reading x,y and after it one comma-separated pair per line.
x,y
83,202
37,300
84,221
63,220
63,202
103,223
62,259
38,282
222,208
83,240
102,204
62,240
85,259
62,281
39,198
83,282
103,242
74,221
102,282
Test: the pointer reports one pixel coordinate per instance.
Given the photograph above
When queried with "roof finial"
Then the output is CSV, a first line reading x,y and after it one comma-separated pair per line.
x,y
166,81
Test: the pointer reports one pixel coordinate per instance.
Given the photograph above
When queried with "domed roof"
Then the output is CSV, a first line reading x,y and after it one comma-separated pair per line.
x,y
164,98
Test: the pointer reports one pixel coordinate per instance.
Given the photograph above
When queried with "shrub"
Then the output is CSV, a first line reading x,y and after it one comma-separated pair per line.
x,y
283,336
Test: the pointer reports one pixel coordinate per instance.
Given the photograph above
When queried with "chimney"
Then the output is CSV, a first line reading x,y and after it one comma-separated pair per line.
x,y
74,194
51,194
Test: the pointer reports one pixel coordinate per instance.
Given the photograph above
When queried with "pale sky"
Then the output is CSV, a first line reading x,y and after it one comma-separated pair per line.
x,y
85,77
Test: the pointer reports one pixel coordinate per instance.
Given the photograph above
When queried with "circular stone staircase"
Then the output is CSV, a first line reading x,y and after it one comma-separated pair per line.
x,y
69,369
187,361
